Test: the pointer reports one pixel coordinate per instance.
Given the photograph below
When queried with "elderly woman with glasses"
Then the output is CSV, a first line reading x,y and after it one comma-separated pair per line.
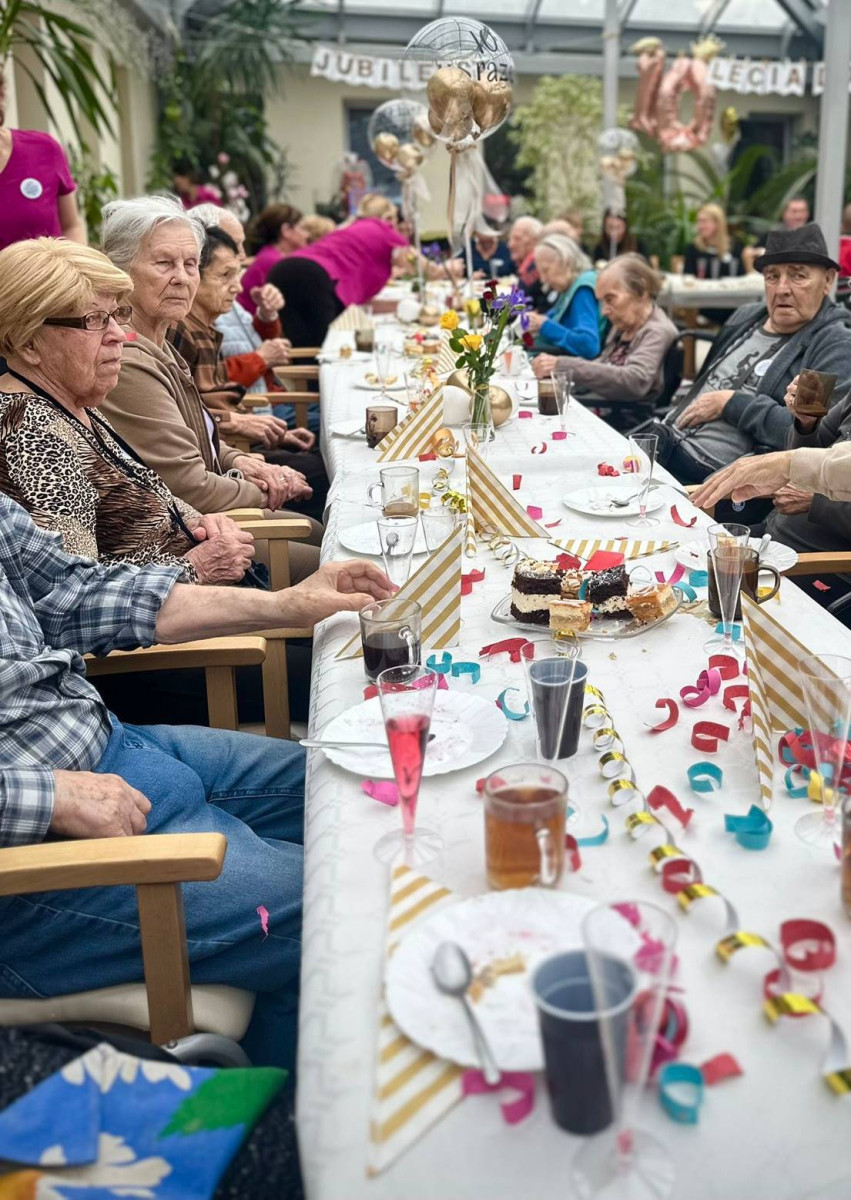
x,y
572,325
63,314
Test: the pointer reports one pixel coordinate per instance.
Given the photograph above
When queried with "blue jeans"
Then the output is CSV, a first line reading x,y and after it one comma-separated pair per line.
x,y
251,789
286,412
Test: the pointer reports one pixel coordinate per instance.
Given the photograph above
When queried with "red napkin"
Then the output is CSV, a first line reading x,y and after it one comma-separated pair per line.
x,y
601,560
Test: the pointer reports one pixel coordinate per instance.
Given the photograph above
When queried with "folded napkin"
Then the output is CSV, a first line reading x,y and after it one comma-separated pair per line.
x,y
493,506
584,547
446,356
352,317
412,436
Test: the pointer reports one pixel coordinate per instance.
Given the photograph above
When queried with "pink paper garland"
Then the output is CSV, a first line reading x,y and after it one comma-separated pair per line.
x,y
382,790
678,520
473,1083
263,913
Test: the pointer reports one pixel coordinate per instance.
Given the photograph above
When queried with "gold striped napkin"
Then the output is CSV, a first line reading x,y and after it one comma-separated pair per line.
x,y
471,546
446,355
412,436
493,507
585,547
413,1088
352,317
436,587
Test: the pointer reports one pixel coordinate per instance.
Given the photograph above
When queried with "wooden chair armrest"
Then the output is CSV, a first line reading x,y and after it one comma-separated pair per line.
x,y
305,351
306,371
837,562
260,399
211,652
244,514
290,528
106,862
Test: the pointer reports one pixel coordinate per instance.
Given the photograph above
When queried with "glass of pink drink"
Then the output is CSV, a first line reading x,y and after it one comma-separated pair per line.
x,y
407,700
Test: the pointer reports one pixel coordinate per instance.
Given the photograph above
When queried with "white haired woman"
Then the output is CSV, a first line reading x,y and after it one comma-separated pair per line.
x,y
572,325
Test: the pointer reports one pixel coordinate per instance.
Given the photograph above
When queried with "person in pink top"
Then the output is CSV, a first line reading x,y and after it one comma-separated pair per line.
x,y
274,233
348,266
186,180
36,188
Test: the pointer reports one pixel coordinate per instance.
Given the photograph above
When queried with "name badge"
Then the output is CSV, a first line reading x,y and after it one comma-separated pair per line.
x,y
31,188
761,367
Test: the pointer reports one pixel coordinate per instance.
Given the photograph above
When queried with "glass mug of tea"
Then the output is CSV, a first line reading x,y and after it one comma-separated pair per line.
x,y
380,419
397,493
525,816
391,634
752,568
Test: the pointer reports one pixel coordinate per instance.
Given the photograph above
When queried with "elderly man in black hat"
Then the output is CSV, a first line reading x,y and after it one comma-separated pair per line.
x,y
736,406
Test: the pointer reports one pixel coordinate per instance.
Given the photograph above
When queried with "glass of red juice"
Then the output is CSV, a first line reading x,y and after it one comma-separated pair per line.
x,y
407,697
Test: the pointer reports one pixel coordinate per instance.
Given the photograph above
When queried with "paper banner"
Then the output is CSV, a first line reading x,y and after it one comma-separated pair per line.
x,y
412,436
352,317
446,355
585,547
436,586
413,1088
493,506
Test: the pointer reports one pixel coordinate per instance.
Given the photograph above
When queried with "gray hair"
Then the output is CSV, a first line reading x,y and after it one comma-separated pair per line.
x,y
569,254
636,274
209,214
128,223
534,226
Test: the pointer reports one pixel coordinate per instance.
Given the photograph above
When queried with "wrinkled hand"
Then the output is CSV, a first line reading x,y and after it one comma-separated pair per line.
x,y
300,439
790,500
223,557
336,587
543,365
536,320
278,483
265,430
269,301
791,396
275,352
211,524
708,407
748,477
86,805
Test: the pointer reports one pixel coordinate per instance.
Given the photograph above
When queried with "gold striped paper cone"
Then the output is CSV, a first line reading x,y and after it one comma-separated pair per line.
x,y
493,506
413,1088
446,355
352,317
471,546
585,547
412,436
436,587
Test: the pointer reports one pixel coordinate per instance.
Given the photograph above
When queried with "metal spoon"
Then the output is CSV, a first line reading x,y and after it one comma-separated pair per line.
x,y
453,975
320,744
762,547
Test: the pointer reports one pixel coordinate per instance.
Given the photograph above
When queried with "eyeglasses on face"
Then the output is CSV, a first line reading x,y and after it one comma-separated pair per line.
x,y
95,321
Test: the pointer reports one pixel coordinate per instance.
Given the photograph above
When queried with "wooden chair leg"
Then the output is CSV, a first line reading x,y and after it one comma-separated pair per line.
x,y
276,697
162,927
222,711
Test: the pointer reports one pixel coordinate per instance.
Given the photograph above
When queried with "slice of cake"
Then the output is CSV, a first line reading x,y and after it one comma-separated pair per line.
x,y
607,591
571,583
652,603
535,584
569,616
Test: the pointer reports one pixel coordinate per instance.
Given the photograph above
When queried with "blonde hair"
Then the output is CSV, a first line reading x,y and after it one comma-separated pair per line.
x,y
51,277
636,274
722,233
316,227
373,205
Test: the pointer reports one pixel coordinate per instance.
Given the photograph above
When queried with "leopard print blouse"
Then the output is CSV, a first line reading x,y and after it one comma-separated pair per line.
x,y
55,468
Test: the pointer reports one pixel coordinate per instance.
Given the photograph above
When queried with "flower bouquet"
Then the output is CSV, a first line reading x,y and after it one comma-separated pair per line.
x,y
478,351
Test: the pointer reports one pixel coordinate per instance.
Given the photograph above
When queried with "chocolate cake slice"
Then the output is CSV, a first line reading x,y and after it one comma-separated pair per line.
x,y
607,591
536,582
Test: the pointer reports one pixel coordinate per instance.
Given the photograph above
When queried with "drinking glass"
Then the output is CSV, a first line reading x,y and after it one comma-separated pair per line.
x,y
384,358
478,435
397,536
826,684
562,381
391,635
399,491
525,808
407,700
380,419
726,564
728,531
642,450
637,939
555,687
438,524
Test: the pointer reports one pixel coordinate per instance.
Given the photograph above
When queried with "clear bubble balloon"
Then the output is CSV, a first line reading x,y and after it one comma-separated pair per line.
x,y
618,151
399,136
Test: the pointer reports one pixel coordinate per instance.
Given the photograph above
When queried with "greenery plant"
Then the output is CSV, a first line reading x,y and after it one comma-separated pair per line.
x,y
96,186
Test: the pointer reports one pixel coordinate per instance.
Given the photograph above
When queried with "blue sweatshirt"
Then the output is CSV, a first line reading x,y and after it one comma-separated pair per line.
x,y
573,323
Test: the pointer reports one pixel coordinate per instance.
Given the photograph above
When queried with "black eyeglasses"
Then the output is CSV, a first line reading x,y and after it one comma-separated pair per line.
x,y
96,321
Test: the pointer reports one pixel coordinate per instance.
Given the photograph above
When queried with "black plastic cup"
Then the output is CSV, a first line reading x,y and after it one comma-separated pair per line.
x,y
557,688
574,1033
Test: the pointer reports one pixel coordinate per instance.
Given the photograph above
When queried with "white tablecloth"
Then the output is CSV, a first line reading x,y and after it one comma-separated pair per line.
x,y
776,1132
687,291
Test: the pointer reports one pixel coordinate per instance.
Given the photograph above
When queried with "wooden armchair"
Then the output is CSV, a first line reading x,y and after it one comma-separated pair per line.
x,y
294,379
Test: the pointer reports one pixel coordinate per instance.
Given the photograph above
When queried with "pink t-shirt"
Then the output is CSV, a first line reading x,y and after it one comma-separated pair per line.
x,y
359,257
256,275
204,195
32,181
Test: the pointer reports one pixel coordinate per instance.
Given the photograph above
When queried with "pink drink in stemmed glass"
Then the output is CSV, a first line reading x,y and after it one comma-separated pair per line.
x,y
407,737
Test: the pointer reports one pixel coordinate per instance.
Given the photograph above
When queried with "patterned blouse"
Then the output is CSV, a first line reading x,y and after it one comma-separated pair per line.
x,y
57,469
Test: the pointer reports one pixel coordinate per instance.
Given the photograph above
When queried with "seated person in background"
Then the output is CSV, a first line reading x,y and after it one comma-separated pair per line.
x,y
186,180
62,308
615,239
629,367
155,405
315,227
198,343
796,214
736,405
522,236
491,256
571,223
572,325
274,233
70,769
713,255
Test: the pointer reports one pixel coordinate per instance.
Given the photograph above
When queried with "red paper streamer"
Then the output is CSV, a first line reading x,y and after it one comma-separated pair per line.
x,y
552,524
745,713
473,1083
717,1069
567,562
679,873
572,847
821,586
509,646
427,457
734,692
516,480
607,469
725,665
534,512
661,797
525,414
468,580
801,957
671,719
675,577
263,913
677,519
776,982
706,735
558,435
542,449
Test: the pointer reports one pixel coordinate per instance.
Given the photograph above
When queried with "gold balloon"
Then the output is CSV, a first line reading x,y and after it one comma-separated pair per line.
x,y
448,87
409,156
386,146
729,124
453,126
491,101
500,403
422,134
459,379
443,443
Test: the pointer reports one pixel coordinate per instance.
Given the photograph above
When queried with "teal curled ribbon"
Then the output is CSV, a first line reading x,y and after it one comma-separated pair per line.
x,y
674,1075
598,838
799,791
508,712
583,588
786,754
698,578
467,668
688,591
737,630
753,831
705,777
442,667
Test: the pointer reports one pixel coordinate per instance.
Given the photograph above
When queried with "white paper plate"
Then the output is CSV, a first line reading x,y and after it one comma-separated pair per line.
x,y
363,539
363,385
532,922
466,728
692,554
597,501
334,356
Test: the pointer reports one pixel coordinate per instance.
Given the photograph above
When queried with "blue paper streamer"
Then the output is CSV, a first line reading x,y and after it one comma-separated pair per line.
x,y
800,791
737,630
467,668
705,777
684,1112
752,831
442,667
583,588
598,838
509,713
687,590
698,578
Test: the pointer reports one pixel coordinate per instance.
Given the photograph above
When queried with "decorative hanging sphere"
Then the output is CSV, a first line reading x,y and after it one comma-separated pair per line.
x,y
618,153
399,135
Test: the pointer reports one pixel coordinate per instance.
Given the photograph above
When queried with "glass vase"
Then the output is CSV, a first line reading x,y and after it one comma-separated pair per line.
x,y
480,413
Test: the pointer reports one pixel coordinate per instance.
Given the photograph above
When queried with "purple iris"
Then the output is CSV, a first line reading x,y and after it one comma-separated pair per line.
x,y
524,320
515,301
433,251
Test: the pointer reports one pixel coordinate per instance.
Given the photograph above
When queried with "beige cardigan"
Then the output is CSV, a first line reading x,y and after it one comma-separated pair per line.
x,y
826,472
156,407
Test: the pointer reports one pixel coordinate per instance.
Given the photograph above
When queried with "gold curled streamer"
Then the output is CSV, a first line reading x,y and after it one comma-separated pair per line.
x,y
590,690
602,739
795,1004
790,1004
839,1081
613,763
636,823
622,785
740,940
694,891
594,715
666,851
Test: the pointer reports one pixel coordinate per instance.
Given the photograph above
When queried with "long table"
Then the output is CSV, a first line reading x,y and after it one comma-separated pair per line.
x,y
775,1132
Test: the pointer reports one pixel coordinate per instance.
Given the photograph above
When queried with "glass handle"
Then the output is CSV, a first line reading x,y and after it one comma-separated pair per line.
x,y
774,590
407,635
546,847
369,495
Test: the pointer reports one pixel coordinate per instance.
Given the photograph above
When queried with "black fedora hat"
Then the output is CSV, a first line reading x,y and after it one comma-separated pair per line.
x,y
804,245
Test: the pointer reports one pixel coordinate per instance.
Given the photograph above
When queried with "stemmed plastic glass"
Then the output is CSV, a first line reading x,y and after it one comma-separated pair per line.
x,y
726,564
562,381
642,454
726,533
637,939
826,684
383,362
407,697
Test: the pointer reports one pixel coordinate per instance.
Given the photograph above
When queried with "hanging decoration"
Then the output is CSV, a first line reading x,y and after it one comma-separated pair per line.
x,y
353,181
659,92
399,136
618,150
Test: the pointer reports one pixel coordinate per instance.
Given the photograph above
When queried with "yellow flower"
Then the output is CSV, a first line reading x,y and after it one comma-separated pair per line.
x,y
449,320
472,341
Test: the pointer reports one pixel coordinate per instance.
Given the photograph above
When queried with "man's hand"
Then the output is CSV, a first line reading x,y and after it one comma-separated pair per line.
x,y
300,439
748,477
269,301
267,431
86,805
801,391
275,352
223,557
708,407
543,365
790,500
336,587
278,483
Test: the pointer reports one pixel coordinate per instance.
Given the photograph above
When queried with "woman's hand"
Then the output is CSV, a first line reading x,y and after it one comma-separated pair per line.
x,y
211,525
791,500
336,587
269,301
279,484
275,352
543,365
300,439
536,320
264,430
222,557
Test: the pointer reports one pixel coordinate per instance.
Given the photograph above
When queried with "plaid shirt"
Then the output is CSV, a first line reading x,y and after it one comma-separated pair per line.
x,y
55,607
199,346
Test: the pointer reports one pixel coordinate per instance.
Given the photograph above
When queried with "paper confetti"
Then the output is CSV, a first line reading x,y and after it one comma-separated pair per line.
x,y
534,511
678,520
382,790
670,721
660,797
263,914
473,1083
606,469
706,735
516,480
525,414
721,1067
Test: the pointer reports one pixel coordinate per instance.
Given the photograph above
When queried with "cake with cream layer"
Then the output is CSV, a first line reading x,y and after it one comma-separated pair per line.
x,y
536,583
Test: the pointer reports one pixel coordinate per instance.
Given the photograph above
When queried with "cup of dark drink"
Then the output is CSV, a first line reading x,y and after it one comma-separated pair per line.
x,y
751,571
380,419
365,339
525,816
556,691
576,1033
547,406
391,634
815,389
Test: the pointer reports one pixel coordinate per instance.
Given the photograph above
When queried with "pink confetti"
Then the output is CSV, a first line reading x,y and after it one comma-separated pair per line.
x,y
677,519
552,524
534,512
719,1068
567,562
558,435
516,480
574,857
821,586
542,449
473,1083
427,457
679,571
525,414
263,914
382,790
605,468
